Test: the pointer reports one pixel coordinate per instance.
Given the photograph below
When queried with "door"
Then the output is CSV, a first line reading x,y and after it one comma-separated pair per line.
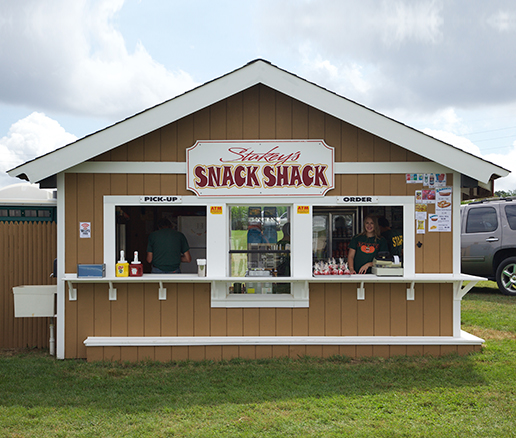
x,y
480,239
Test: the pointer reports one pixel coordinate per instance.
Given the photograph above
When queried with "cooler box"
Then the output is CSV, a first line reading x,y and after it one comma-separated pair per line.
x,y
97,271
34,301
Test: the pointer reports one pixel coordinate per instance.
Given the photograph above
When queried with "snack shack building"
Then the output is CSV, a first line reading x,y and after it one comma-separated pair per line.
x,y
234,164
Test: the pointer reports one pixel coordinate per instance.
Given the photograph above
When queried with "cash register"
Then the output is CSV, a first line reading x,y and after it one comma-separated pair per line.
x,y
385,265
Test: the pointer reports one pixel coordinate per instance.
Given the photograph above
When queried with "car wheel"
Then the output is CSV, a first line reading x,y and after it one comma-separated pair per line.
x,y
506,276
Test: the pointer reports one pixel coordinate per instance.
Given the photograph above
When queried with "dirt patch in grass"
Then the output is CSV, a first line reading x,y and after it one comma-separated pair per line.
x,y
11,352
496,335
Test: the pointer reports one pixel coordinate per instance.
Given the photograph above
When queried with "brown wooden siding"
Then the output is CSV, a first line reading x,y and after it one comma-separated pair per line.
x,y
27,256
334,311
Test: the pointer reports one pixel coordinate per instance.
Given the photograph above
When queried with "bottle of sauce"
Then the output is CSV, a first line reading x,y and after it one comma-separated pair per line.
x,y
136,267
122,267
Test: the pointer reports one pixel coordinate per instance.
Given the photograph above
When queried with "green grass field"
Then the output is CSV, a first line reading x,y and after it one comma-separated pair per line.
x,y
472,396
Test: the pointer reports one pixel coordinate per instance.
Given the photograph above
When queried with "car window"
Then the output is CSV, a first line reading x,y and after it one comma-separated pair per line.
x,y
510,211
481,220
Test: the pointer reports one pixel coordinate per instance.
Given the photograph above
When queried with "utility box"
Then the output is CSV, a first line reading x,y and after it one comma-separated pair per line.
x,y
34,301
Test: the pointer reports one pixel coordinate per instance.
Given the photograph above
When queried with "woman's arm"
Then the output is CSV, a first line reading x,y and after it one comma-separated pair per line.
x,y
351,259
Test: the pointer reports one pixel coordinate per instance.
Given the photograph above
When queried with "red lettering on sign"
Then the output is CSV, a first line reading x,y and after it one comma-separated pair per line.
x,y
320,177
239,179
200,173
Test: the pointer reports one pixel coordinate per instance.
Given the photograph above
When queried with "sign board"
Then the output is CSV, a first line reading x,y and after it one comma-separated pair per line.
x,y
260,168
160,199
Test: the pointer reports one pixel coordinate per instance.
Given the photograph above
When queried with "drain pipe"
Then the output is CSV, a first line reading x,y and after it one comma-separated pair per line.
x,y
52,340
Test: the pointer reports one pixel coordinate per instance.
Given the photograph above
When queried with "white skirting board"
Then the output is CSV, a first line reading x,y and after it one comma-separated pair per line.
x,y
190,341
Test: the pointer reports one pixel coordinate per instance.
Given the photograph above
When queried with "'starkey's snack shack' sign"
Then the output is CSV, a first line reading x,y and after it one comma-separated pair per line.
x,y
260,168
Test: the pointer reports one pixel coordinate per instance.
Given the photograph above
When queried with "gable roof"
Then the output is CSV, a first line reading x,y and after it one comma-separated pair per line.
x,y
257,72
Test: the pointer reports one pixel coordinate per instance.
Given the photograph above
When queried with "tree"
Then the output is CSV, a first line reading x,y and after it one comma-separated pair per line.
x,y
505,193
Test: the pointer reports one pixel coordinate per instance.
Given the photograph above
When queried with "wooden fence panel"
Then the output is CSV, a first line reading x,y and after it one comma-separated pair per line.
x,y
27,253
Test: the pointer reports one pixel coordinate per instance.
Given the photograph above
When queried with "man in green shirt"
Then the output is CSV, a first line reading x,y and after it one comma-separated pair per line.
x,y
167,248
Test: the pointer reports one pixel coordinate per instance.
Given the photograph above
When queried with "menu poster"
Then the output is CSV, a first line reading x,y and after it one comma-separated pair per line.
x,y
443,208
419,196
428,196
440,180
443,199
421,226
421,211
414,178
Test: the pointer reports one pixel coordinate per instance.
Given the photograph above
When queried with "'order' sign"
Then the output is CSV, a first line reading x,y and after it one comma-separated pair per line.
x,y
260,168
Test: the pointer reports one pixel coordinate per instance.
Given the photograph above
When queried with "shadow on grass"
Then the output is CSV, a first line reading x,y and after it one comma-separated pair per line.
x,y
31,381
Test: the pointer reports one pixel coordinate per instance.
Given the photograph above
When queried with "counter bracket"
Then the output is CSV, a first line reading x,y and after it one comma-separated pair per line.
x,y
361,291
411,292
72,292
162,292
112,292
459,291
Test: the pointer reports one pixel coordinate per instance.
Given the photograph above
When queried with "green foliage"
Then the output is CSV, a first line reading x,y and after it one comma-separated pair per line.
x,y
421,396
505,193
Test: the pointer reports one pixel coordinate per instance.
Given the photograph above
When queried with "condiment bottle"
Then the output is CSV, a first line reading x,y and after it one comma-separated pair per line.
x,y
122,267
136,267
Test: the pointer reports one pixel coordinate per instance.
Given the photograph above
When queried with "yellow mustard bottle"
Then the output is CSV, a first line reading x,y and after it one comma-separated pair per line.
x,y
122,267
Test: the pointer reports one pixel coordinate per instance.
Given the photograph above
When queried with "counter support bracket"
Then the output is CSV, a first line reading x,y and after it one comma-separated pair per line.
x,y
361,291
72,292
411,292
112,292
162,292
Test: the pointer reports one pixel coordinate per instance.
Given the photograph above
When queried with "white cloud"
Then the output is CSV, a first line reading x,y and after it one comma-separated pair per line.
x,y
506,160
69,56
419,21
29,138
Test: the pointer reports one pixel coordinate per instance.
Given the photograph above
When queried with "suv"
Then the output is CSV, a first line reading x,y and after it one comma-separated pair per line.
x,y
488,241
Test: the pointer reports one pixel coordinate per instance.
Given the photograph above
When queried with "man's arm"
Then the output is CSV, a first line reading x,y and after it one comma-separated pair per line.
x,y
185,258
149,257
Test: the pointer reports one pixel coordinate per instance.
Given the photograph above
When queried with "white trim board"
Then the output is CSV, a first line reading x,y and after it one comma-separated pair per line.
x,y
172,167
191,341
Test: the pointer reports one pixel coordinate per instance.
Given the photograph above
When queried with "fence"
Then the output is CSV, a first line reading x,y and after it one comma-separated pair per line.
x,y
27,252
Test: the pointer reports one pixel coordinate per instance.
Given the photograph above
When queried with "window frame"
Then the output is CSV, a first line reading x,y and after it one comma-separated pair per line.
x,y
217,244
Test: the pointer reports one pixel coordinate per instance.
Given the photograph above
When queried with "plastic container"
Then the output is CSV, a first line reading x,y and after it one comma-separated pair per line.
x,y
136,267
201,267
122,267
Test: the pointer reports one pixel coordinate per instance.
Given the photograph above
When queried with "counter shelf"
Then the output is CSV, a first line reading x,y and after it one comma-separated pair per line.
x,y
361,279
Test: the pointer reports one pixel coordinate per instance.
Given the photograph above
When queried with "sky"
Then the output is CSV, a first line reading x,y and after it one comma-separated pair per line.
x,y
71,68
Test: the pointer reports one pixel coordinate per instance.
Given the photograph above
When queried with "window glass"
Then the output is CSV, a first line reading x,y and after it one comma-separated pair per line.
x,y
3,212
481,220
43,213
510,211
260,248
14,213
31,213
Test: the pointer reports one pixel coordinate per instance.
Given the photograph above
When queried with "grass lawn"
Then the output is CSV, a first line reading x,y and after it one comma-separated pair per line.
x,y
473,396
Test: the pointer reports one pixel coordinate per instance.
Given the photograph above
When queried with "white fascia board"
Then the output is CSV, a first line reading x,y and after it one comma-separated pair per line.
x,y
173,167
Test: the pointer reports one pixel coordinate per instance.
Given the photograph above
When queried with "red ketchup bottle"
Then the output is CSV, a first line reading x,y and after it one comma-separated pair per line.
x,y
136,267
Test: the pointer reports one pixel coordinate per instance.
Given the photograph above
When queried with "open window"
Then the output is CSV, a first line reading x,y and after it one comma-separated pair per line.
x,y
259,249
135,223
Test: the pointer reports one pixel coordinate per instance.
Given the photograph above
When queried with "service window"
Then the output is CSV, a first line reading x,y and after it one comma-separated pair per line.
x,y
259,249
134,224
